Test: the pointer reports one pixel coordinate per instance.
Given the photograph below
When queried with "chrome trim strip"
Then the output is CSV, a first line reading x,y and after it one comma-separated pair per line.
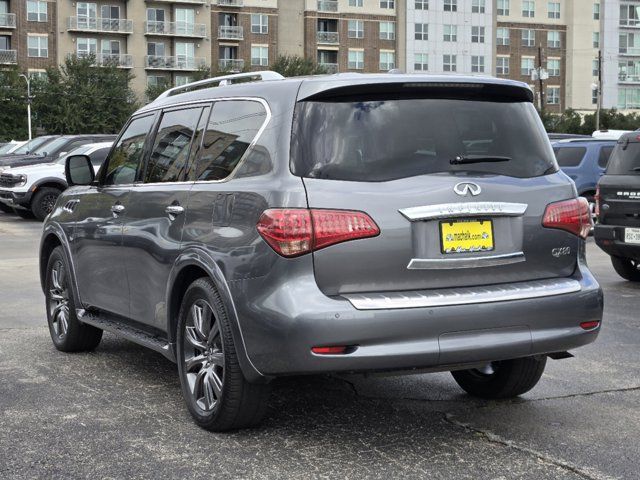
x,y
466,262
464,295
453,210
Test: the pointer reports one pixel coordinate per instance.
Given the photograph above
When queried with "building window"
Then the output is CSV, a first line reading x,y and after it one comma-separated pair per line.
x,y
421,62
421,31
387,4
477,64
259,55
596,11
36,11
355,29
38,74
387,31
629,98
355,3
155,49
594,68
528,38
553,67
450,33
502,65
182,80
477,34
450,5
477,6
526,65
86,46
629,16
449,63
503,7
356,59
594,96
38,46
157,81
387,60
553,95
422,4
259,23
553,10
502,36
596,39
528,8
553,39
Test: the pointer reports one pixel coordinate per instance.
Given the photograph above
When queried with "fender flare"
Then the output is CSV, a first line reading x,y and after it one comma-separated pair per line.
x,y
36,185
202,259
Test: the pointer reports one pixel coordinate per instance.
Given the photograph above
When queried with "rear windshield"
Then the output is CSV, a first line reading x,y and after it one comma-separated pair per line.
x,y
388,139
51,148
31,145
625,160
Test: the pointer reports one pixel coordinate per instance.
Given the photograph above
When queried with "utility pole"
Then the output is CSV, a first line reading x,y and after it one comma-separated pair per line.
x,y
599,90
28,101
540,80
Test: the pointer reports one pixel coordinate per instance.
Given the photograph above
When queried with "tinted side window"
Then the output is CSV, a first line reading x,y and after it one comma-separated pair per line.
x,y
127,156
170,154
232,127
603,159
570,156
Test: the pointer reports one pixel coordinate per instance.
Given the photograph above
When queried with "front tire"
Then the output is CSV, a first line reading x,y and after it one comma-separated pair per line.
x,y
67,332
217,394
504,379
627,268
44,201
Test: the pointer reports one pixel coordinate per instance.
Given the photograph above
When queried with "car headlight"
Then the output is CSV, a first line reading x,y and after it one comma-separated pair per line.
x,y
21,180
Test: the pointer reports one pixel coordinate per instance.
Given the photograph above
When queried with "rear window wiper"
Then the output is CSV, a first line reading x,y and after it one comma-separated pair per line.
x,y
465,159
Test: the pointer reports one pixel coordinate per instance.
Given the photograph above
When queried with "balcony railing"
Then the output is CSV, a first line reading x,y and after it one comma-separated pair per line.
x,y
231,64
230,33
626,78
7,20
229,3
199,2
177,29
330,67
630,22
327,37
177,62
327,5
121,60
630,51
8,57
97,24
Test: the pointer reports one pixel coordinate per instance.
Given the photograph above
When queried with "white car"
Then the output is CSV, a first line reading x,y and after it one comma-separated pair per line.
x,y
34,189
11,147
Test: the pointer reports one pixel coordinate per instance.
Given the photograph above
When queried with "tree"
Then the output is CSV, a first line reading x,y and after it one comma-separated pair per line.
x,y
295,66
80,97
13,105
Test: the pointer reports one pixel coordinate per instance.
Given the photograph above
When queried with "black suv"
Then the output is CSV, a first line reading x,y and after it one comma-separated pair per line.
x,y
618,208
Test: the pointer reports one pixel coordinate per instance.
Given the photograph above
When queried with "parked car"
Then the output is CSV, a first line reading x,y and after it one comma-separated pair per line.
x,y
565,136
10,147
618,208
29,146
609,134
52,150
342,223
584,160
34,189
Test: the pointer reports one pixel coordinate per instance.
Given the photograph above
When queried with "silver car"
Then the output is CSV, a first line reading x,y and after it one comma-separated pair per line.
x,y
249,227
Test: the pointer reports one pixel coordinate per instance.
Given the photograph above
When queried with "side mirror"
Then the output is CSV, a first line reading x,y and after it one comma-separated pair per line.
x,y
78,170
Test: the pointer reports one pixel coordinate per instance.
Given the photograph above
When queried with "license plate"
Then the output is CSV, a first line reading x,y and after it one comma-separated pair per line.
x,y
463,236
632,235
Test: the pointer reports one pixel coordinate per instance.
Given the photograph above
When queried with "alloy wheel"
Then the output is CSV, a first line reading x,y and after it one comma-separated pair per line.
x,y
48,202
59,299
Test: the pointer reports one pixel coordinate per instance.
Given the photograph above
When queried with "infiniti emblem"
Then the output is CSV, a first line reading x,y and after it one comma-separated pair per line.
x,y
466,188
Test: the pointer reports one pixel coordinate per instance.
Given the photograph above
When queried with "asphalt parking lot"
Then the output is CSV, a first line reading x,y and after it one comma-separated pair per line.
x,y
117,412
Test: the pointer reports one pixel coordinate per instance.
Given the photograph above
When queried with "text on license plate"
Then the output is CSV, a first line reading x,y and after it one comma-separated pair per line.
x,y
632,235
463,236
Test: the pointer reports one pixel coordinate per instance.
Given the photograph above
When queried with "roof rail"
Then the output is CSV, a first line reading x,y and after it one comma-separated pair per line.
x,y
223,80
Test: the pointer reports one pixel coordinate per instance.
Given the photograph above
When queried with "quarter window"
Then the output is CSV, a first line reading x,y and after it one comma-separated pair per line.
x,y
570,156
126,158
603,158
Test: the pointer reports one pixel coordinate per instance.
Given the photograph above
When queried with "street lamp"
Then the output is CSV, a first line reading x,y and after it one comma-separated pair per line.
x,y
28,101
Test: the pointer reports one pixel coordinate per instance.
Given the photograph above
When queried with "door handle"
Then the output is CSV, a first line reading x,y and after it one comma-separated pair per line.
x,y
174,209
117,209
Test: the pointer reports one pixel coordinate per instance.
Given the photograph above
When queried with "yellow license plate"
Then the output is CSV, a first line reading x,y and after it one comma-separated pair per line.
x,y
463,236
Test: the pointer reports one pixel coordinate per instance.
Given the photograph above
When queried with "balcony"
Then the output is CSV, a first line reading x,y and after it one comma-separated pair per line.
x,y
230,64
175,29
178,62
629,51
630,79
230,33
329,67
8,57
327,5
97,24
630,22
229,3
327,37
121,60
197,2
7,20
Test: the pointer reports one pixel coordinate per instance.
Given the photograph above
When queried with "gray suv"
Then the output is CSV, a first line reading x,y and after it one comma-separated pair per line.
x,y
250,226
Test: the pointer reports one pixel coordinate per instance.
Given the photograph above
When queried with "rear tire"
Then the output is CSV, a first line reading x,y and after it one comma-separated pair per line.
x,y
217,394
43,202
504,379
627,268
67,332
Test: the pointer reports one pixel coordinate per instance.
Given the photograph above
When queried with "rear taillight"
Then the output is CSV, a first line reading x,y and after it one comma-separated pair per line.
x,y
571,215
596,198
293,232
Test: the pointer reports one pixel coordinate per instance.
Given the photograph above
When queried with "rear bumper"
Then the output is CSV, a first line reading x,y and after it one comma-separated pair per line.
x,y
280,324
610,238
15,199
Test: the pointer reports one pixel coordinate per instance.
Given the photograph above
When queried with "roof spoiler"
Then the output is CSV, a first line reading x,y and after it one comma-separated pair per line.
x,y
222,81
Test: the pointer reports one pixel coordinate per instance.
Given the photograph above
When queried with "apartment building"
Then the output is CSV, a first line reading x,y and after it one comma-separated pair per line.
x,y
28,34
445,36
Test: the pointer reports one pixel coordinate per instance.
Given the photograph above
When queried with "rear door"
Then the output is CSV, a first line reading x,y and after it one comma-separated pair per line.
x,y
458,188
